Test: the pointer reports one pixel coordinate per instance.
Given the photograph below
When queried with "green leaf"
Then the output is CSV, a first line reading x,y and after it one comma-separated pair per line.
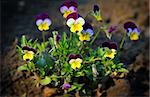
x,y
45,81
23,67
123,70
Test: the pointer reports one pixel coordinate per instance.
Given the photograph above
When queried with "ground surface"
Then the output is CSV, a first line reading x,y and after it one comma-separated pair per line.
x,y
19,20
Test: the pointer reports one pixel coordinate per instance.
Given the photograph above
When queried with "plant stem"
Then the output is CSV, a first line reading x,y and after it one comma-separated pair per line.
x,y
70,36
122,41
43,36
95,36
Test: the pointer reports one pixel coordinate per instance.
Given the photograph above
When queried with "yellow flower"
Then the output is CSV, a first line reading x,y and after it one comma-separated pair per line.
x,y
76,25
134,36
110,54
28,56
75,63
83,37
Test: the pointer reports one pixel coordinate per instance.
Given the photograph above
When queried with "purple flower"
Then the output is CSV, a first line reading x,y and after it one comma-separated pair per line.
x,y
132,31
66,86
43,21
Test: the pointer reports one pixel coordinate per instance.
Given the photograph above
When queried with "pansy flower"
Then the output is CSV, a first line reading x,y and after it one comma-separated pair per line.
x,y
86,33
75,22
68,7
96,13
110,49
75,61
109,31
43,21
28,53
132,31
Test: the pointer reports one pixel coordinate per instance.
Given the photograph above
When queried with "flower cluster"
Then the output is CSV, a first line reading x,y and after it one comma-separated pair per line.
x,y
68,61
76,22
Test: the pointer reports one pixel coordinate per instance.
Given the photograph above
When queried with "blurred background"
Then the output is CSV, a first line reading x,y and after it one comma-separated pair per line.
x,y
18,18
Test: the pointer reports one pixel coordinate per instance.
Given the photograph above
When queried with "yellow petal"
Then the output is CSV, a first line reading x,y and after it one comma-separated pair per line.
x,y
45,26
40,27
73,66
66,13
134,36
28,55
83,37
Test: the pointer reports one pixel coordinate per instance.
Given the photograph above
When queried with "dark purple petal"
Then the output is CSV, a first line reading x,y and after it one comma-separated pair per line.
x,y
74,56
26,48
29,49
66,86
110,45
129,25
42,16
70,3
73,15
96,8
87,26
112,28
105,44
33,50
113,46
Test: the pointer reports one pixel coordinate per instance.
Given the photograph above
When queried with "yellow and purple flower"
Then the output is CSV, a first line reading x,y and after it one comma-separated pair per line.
x,y
68,7
28,53
75,22
75,61
132,31
97,13
111,49
43,21
86,33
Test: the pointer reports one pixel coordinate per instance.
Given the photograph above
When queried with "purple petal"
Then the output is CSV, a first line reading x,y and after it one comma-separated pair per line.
x,y
66,86
63,9
73,9
111,29
129,25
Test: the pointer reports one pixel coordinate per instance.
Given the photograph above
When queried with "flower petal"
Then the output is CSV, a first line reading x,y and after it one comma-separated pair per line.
x,y
90,31
70,22
63,9
39,21
48,21
80,20
73,9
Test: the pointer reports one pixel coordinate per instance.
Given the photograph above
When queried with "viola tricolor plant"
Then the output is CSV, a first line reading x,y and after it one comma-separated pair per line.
x,y
67,61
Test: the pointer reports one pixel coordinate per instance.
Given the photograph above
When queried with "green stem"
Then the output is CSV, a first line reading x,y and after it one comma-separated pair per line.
x,y
95,36
43,36
122,41
70,36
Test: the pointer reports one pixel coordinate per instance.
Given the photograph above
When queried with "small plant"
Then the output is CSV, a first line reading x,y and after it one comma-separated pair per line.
x,y
69,61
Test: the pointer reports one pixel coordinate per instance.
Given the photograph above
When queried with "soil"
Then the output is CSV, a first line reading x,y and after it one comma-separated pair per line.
x,y
18,19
